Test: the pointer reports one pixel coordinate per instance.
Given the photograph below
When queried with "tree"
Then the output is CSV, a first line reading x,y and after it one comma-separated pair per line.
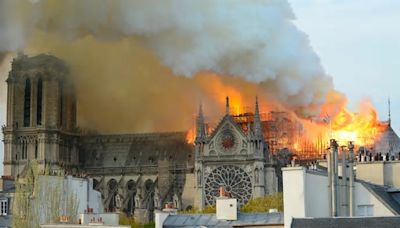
x,y
263,204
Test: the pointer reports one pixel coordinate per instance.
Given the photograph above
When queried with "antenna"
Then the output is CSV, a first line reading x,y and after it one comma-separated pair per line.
x,y
389,114
227,105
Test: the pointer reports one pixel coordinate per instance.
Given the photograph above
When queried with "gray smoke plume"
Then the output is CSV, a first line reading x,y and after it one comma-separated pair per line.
x,y
254,40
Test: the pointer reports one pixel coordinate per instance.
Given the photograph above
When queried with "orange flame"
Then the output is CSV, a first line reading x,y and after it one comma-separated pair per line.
x,y
334,120
361,127
190,135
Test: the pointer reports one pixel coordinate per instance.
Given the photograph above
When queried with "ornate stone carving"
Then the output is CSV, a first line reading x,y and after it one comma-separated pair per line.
x,y
235,181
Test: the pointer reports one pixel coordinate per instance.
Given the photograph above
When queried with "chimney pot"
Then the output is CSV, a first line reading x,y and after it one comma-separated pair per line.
x,y
222,192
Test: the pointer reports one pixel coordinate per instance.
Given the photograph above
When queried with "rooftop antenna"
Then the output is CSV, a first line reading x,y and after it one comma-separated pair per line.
x,y
390,117
227,105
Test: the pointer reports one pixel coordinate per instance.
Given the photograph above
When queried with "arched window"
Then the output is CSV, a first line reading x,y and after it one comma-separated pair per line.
x,y
39,102
131,193
27,103
95,184
61,89
112,193
24,150
148,200
36,149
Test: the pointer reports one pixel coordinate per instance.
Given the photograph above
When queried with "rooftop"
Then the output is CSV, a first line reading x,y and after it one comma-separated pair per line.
x,y
210,220
347,222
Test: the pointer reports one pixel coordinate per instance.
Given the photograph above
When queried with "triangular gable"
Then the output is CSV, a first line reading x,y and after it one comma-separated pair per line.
x,y
227,119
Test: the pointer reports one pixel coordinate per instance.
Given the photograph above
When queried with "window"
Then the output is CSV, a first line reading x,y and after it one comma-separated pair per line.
x,y
61,103
39,102
24,154
3,207
27,103
36,149
365,210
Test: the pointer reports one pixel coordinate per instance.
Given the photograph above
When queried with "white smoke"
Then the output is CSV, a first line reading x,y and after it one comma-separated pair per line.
x,y
255,40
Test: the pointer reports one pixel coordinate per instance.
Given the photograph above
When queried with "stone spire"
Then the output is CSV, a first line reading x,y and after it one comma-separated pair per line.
x,y
200,131
257,121
227,106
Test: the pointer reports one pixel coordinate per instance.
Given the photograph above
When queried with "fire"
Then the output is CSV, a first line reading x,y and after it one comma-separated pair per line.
x,y
311,139
190,135
219,90
361,127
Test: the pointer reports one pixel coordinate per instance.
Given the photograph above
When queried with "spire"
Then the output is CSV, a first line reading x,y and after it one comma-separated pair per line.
x,y
227,105
257,121
200,131
390,117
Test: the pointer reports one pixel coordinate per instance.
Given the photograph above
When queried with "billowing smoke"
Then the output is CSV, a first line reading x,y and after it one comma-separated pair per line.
x,y
123,53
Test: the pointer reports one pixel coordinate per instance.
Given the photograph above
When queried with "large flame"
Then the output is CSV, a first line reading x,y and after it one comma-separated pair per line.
x,y
219,90
338,122
361,127
311,139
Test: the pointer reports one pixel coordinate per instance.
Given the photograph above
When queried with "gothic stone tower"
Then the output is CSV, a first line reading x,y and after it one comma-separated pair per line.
x,y
41,115
232,158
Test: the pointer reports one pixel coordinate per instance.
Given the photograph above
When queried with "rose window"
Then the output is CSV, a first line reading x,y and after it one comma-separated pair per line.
x,y
235,180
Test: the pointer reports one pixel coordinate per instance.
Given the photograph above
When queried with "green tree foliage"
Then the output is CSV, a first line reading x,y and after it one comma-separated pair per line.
x,y
125,220
263,204
194,210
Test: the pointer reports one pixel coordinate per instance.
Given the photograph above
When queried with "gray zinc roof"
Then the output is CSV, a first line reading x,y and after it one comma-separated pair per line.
x,y
346,222
133,150
390,199
210,220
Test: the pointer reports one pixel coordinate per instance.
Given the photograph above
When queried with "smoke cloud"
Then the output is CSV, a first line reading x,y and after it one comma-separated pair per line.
x,y
127,56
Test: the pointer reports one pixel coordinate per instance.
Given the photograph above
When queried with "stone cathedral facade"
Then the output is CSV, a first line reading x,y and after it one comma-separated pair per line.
x,y
135,173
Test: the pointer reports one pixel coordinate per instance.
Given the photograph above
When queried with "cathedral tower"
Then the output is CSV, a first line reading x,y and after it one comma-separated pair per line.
x,y
41,115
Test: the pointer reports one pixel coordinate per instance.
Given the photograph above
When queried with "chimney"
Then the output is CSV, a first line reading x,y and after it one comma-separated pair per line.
x,y
226,207
329,164
351,179
221,191
170,208
333,177
344,195
161,216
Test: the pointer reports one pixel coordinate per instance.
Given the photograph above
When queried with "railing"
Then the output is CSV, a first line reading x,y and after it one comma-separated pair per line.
x,y
137,169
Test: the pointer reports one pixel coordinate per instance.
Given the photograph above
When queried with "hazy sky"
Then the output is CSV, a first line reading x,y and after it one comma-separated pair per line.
x,y
358,42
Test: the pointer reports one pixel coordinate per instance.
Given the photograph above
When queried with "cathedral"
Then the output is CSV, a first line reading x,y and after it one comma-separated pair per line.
x,y
142,171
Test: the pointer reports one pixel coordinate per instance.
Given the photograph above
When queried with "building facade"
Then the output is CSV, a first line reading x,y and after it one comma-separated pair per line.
x,y
135,173
350,189
232,157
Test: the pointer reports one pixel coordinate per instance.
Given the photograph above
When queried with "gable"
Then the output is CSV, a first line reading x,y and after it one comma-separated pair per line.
x,y
228,138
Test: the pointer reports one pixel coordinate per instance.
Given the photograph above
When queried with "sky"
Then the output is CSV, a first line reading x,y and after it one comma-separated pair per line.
x,y
358,42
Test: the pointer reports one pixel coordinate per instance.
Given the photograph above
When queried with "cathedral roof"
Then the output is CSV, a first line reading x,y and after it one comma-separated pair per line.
x,y
387,141
135,151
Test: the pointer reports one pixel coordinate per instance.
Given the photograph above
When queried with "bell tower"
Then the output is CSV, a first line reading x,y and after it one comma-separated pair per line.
x,y
41,115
